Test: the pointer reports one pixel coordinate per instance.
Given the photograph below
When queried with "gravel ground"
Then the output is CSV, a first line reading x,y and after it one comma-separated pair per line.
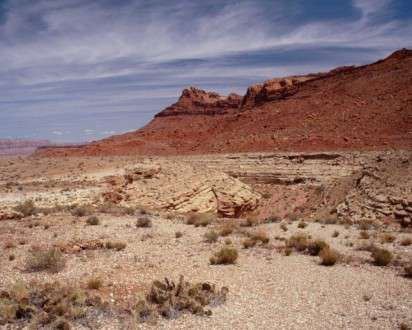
x,y
267,289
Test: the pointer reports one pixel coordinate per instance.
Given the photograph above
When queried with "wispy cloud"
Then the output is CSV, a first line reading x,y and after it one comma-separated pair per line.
x,y
94,59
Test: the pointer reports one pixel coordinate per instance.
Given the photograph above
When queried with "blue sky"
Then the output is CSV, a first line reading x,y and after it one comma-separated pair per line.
x,y
79,70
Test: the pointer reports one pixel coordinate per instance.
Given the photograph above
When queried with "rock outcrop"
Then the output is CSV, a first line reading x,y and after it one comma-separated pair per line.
x,y
274,89
181,188
194,101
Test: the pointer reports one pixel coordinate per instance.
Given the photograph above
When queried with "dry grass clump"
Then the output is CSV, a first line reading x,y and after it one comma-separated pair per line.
x,y
50,306
178,234
27,208
170,300
93,221
200,219
144,222
50,259
115,245
82,210
328,256
298,241
381,257
211,236
406,241
94,283
225,256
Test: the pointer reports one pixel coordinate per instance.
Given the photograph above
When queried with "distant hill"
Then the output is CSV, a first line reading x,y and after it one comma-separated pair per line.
x,y
20,146
352,108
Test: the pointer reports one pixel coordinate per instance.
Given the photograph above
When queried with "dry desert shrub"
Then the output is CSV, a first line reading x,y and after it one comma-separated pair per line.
x,y
273,219
408,269
115,209
227,228
388,238
328,256
49,259
170,300
82,210
115,245
250,222
94,283
211,236
298,241
144,222
93,221
284,227
27,208
225,256
178,234
406,241
381,257
302,225
259,236
200,219
9,244
335,234
316,246
364,235
46,306
249,243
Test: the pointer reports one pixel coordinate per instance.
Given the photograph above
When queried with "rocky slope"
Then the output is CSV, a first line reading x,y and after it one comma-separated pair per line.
x,y
352,108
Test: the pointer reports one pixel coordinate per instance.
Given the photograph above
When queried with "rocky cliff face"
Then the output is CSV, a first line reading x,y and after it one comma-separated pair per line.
x,y
274,89
194,101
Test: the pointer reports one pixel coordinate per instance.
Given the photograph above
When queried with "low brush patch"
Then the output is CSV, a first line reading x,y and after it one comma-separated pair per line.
x,y
46,306
50,259
170,300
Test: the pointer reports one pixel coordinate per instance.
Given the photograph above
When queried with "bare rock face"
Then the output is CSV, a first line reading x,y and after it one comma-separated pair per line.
x,y
273,89
195,101
182,188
